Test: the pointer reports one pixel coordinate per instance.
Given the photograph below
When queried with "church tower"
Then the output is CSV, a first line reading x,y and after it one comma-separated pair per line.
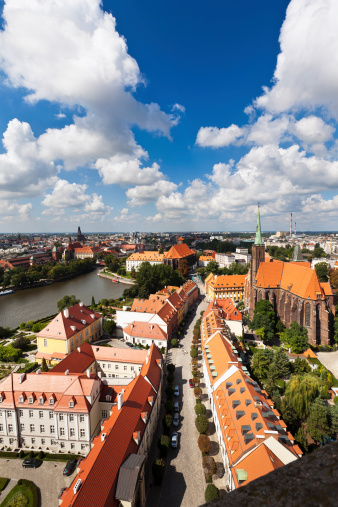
x,y
258,252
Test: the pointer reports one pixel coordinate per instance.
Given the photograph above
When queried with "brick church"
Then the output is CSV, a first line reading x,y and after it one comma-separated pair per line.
x,y
293,289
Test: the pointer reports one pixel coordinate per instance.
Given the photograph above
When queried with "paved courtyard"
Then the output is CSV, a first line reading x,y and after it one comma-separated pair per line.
x,y
48,478
183,483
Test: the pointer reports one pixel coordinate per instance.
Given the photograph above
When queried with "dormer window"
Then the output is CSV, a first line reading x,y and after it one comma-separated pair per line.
x,y
1,398
51,401
21,399
41,400
108,397
31,400
71,404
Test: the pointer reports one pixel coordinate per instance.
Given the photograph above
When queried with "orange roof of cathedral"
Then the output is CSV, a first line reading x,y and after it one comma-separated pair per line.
x,y
293,277
179,252
326,288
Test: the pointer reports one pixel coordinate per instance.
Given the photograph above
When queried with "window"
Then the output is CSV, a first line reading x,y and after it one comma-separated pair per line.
x,y
76,339
10,428
71,417
71,403
22,427
81,418
31,413
31,400
61,417
40,414
72,343
82,433
50,415
132,368
104,414
143,341
307,314
52,429
109,365
62,445
33,440
41,400
72,432
21,399
32,428
139,368
45,342
83,446
116,366
9,413
72,446
95,325
104,365
43,441
80,336
11,440
1,440
42,428
20,413
1,427
51,401
124,367
62,432
86,332
92,328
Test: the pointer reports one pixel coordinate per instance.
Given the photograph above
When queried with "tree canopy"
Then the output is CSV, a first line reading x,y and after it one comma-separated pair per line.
x,y
67,302
264,317
300,393
318,423
322,270
296,338
150,279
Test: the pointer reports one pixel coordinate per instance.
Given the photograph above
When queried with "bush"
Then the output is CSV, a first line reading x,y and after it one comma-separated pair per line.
x,y
41,455
170,378
202,423
196,381
204,443
194,352
163,445
200,409
167,423
3,483
211,493
21,454
335,400
197,392
174,343
169,406
209,466
31,454
194,361
171,368
158,469
198,401
169,391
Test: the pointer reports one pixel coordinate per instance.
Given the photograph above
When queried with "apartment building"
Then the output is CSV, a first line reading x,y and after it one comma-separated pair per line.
x,y
136,259
70,329
225,286
253,438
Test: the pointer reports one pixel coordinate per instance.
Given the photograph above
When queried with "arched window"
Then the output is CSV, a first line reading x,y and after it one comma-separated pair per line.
x,y
307,314
259,296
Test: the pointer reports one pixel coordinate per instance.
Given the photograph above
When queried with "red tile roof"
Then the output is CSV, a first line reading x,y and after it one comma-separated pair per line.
x,y
77,361
179,252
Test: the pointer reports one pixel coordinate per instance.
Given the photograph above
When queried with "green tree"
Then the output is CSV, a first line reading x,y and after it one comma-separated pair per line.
x,y
44,366
289,415
171,368
202,423
300,438
212,267
163,445
21,343
200,409
300,366
281,364
158,469
109,327
262,360
334,419
184,268
317,424
322,270
204,443
296,338
211,493
194,352
300,393
264,317
67,302
174,342
92,304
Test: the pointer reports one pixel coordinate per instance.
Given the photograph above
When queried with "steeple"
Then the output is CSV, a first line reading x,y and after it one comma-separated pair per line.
x,y
258,239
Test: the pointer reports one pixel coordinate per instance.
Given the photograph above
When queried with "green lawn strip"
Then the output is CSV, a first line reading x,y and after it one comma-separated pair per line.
x,y
23,489
3,483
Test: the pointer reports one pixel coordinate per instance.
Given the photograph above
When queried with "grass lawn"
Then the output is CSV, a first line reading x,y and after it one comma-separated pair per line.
x,y
24,494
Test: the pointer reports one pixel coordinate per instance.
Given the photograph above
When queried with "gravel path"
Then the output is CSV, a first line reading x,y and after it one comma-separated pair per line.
x,y
330,361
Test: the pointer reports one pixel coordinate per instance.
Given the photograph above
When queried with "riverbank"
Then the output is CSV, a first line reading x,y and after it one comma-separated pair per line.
x,y
111,276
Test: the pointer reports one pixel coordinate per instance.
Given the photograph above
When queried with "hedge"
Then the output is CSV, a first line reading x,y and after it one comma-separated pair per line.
x,y
23,490
3,483
211,493
202,423
200,409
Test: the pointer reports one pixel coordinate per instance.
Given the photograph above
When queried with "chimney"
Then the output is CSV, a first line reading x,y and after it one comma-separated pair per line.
x,y
291,226
88,373
144,417
295,228
81,304
78,349
103,436
67,372
119,401
38,371
66,312
22,378
137,436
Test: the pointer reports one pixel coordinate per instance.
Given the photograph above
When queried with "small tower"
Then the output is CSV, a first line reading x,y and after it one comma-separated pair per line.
x,y
180,241
258,251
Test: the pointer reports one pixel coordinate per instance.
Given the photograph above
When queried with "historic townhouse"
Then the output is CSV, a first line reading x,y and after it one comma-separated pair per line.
x,y
253,439
70,329
225,286
294,291
136,259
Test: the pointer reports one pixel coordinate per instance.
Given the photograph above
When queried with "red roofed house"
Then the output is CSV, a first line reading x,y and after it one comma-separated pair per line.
x,y
179,252
69,329
144,334
122,447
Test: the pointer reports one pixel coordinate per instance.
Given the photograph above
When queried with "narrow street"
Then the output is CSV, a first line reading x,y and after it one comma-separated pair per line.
x,y
183,483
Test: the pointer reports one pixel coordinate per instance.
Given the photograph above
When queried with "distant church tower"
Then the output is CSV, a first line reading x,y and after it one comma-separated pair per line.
x,y
258,252
80,236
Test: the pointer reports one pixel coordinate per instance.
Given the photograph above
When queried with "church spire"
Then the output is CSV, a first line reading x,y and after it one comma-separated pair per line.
x,y
258,239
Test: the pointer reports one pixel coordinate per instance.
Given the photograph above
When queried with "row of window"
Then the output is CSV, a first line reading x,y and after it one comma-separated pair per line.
x,y
117,367
43,442
42,414
42,429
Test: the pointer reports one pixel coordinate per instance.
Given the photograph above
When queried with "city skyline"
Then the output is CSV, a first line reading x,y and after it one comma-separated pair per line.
x,y
124,116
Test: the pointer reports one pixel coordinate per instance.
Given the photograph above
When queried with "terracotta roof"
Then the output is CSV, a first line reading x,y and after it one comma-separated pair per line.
x,y
88,249
152,367
179,252
230,311
124,355
326,288
147,256
145,330
76,362
60,328
228,281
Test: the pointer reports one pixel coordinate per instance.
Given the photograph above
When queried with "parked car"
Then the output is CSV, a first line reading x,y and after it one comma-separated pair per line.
x,y
191,384
176,420
176,406
70,467
174,440
176,391
31,463
130,345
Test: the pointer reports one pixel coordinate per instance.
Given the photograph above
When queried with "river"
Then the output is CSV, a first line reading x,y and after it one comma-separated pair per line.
x,y
33,304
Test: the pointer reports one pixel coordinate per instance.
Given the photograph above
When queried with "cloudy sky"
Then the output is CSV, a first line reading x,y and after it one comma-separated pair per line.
x,y
154,116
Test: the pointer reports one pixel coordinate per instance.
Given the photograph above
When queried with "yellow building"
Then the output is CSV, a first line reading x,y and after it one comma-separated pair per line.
x,y
225,286
70,329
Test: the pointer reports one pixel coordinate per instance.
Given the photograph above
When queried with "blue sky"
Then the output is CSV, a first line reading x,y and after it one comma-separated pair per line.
x,y
156,116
